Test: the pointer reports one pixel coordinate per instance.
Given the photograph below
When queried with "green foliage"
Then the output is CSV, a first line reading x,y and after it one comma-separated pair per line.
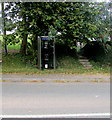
x,y
66,65
10,38
77,21
67,62
14,47
1,38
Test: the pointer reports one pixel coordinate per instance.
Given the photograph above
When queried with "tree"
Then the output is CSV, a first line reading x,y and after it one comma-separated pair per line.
x,y
77,21
24,27
4,29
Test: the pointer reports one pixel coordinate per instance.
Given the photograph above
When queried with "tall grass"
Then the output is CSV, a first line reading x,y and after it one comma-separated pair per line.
x,y
15,63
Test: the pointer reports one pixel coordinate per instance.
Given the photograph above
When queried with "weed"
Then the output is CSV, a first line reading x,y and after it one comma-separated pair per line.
x,y
16,63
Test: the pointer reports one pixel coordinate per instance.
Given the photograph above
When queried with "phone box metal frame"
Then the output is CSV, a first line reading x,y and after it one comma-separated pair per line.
x,y
46,52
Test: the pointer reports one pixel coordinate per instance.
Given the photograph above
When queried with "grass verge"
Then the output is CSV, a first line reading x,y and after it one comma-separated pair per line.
x,y
15,63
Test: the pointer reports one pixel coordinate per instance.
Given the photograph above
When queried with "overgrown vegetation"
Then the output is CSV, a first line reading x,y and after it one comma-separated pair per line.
x,y
67,63
76,22
98,53
16,63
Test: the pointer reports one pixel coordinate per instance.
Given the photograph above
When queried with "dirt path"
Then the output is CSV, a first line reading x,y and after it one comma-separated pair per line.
x,y
11,51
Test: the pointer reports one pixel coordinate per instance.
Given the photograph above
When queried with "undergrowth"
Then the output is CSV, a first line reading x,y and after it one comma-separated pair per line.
x,y
16,63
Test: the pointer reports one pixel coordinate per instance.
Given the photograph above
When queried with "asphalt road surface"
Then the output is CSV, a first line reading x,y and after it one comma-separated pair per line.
x,y
55,98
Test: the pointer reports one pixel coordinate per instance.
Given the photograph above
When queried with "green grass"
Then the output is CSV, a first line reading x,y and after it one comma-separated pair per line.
x,y
15,63
14,47
1,38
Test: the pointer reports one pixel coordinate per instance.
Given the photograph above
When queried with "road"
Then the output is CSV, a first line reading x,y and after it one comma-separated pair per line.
x,y
22,98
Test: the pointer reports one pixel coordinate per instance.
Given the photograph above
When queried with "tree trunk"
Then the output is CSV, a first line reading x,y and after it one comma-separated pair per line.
x,y
35,42
24,44
25,36
4,29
